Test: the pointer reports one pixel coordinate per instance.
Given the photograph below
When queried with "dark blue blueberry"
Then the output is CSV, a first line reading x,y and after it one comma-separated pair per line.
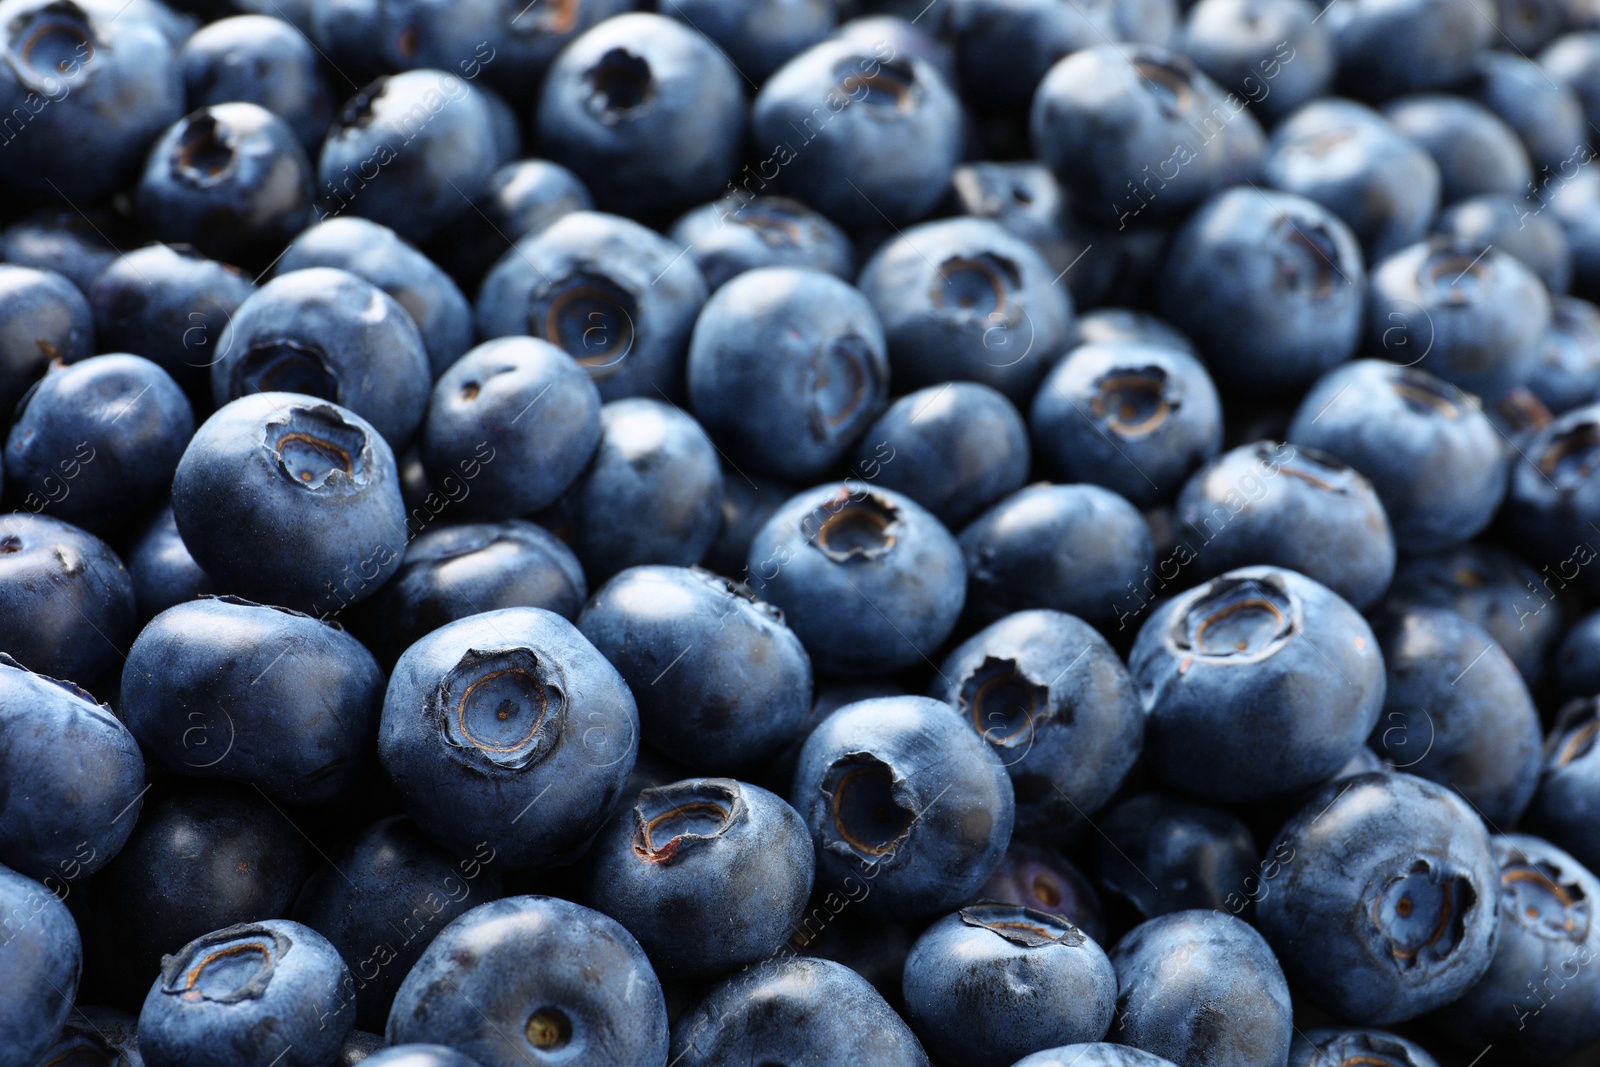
x,y
1457,712
1436,462
96,442
410,151
1545,114
1269,285
1055,703
377,255
786,368
521,198
1163,854
529,977
757,37
1276,54
1135,130
66,600
40,960
1473,316
900,35
955,448
1574,199
84,92
868,579
906,800
1278,504
264,61
747,504
1540,999
1477,153
467,569
722,683
328,333
1573,60
1554,500
43,317
709,874
993,982
800,1011
103,1037
1136,417
732,235
1575,668
1258,684
1377,1048
1407,45
616,297
1040,878
524,414
418,1056
1025,198
1093,1054
965,299
508,729
1568,372
857,131
1113,325
225,688
652,494
169,305
71,243
293,500
1566,809
1071,548
1384,905
647,111
258,994
1201,987
383,897
74,779
1353,162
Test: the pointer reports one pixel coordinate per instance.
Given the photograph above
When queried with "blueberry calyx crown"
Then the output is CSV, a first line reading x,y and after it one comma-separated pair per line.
x,y
48,46
983,285
868,807
315,447
889,86
853,525
1575,735
1366,1049
738,591
227,966
1134,401
669,819
1022,926
204,155
1453,272
1425,394
620,85
1237,617
1542,898
1571,455
1003,703
283,365
1420,912
587,315
841,384
1307,258
504,705
1316,468
1169,80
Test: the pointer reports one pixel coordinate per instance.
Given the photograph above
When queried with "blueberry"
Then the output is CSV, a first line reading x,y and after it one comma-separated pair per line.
x,y
530,977
97,1036
652,494
1257,684
1379,1048
508,728
251,995
1274,53
1512,224
1476,151
1070,548
96,443
747,504
1572,199
799,1011
1201,987
1565,809
1055,703
1093,1054
1114,325
1546,114
1163,854
40,960
1539,997
647,111
418,1056
527,404
867,579
360,1046
721,682
1040,878
264,61
293,499
43,318
66,600
1026,199
327,333
1575,668
1568,372
616,297
71,243
1136,417
732,235
1383,907
857,131
709,874
1554,499
377,255
229,179
1573,60
381,900
904,798
74,776
1407,45
786,367
521,198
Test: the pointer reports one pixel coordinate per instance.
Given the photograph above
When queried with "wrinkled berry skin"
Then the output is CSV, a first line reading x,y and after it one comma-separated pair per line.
x,y
1325,1045
74,778
1093,1054
383,898
1257,684
225,688
900,793
1163,854
709,874
252,995
993,982
66,600
534,764
1384,907
1566,809
868,579
1054,701
1540,997
40,960
800,1011
43,317
730,236
721,682
514,979
1201,987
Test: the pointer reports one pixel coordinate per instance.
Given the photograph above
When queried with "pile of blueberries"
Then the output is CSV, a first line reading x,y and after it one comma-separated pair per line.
x,y
793,533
